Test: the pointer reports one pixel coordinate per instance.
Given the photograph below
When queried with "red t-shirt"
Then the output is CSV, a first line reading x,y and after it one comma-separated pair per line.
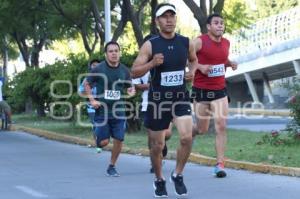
x,y
216,54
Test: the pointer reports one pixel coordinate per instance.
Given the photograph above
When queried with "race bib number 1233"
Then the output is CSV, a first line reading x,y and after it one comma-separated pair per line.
x,y
174,78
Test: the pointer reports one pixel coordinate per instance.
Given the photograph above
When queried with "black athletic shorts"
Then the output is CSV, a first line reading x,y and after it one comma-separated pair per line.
x,y
202,95
161,112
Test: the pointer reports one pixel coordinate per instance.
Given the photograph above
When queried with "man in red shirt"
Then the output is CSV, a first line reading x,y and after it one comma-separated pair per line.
x,y
209,90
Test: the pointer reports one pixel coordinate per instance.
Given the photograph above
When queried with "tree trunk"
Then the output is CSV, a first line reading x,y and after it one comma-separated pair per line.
x,y
21,42
99,23
35,53
219,7
200,13
28,106
135,22
5,59
84,37
122,23
153,28
35,59
41,110
84,33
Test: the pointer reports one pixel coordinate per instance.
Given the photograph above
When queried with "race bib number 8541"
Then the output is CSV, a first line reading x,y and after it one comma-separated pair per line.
x,y
112,95
174,78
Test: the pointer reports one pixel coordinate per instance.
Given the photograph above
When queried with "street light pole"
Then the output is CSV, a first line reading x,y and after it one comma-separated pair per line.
x,y
107,21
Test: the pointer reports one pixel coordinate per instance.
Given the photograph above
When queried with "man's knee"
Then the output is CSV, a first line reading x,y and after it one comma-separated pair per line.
x,y
156,145
186,139
103,143
197,129
221,126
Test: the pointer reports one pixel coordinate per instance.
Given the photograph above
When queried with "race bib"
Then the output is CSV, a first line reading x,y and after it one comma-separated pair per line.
x,y
174,78
217,70
112,95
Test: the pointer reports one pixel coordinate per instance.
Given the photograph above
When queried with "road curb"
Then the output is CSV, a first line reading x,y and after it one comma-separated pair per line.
x,y
195,158
261,112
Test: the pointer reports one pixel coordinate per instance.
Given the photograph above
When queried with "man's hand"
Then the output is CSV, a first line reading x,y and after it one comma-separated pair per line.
x,y
157,59
234,65
189,76
96,104
205,68
131,91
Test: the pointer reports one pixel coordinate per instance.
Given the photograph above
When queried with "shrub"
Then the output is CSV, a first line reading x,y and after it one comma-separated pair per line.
x,y
34,84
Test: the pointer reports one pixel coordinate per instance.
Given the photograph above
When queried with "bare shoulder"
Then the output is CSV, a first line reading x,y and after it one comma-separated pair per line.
x,y
146,47
197,43
145,53
226,40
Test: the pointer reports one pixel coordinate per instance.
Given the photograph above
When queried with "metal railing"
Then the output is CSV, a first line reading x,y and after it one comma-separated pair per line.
x,y
269,35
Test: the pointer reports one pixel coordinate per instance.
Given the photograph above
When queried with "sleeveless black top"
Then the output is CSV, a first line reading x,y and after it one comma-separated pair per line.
x,y
169,76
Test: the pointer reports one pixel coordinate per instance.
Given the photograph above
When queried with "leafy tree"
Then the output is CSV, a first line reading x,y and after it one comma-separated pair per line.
x,y
237,15
30,26
235,12
131,11
203,11
35,84
86,17
266,8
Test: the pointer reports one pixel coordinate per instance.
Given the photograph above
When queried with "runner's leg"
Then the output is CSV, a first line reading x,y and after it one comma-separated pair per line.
x,y
220,111
184,127
157,141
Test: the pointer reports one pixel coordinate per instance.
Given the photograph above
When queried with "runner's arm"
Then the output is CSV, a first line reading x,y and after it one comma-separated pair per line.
x,y
139,84
88,91
142,65
193,62
204,68
142,87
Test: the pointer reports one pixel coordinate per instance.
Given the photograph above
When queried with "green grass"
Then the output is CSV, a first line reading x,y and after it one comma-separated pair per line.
x,y
241,144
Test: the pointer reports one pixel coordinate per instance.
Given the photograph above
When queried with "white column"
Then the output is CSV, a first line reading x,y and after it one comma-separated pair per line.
x,y
107,21
268,88
296,66
251,88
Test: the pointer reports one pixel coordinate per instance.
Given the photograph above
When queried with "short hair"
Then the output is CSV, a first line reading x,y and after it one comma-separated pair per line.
x,y
163,4
209,18
111,43
94,60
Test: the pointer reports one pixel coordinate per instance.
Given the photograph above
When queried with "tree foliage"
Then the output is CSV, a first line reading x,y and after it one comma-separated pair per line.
x,y
266,8
30,26
237,15
84,17
235,12
39,84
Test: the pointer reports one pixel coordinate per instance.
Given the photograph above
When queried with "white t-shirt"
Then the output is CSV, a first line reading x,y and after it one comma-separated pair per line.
x,y
143,80
1,84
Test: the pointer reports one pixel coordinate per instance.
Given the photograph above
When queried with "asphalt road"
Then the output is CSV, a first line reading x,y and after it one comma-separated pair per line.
x,y
258,123
33,167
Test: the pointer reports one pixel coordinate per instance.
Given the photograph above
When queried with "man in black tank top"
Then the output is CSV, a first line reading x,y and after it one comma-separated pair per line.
x,y
165,56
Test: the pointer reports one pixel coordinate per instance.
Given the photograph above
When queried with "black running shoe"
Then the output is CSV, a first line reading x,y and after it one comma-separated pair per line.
x,y
165,150
111,171
160,190
180,189
151,169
